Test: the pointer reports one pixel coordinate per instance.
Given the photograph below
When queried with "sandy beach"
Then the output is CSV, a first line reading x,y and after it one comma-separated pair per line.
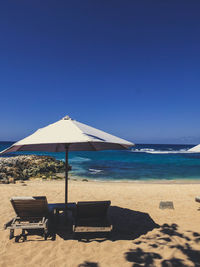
x,y
143,234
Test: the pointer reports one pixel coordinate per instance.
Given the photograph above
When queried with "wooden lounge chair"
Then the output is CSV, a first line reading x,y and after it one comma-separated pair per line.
x,y
32,214
92,217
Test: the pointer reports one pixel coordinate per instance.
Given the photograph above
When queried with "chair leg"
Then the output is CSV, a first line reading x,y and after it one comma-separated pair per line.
x,y
53,236
23,235
21,238
46,234
109,235
11,234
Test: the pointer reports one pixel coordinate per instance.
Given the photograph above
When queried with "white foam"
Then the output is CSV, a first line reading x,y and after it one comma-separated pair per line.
x,y
79,159
153,151
95,171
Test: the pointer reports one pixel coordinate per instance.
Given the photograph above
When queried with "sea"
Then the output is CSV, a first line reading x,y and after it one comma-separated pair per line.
x,y
142,162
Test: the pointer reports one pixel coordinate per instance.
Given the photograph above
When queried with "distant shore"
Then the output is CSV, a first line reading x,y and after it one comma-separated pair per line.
x,y
152,163
24,167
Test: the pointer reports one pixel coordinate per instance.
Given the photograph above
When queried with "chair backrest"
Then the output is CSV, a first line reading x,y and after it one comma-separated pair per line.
x,y
92,209
30,207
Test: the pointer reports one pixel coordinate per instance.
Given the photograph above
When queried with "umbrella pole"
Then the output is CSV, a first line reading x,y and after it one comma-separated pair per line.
x,y
66,174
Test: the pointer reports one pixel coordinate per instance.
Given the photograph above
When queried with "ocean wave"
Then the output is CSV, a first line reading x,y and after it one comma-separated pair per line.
x,y
154,151
95,171
79,159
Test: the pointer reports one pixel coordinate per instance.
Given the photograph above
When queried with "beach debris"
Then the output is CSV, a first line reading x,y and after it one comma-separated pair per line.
x,y
84,180
197,199
11,180
23,167
60,175
166,205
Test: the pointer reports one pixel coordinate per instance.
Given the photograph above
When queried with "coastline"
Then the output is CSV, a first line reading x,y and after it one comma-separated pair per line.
x,y
77,179
24,167
74,178
165,164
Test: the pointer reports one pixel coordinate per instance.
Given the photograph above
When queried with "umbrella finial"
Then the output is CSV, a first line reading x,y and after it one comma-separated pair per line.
x,y
67,118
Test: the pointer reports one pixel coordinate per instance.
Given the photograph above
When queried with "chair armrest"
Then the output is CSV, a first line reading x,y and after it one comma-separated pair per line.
x,y
9,223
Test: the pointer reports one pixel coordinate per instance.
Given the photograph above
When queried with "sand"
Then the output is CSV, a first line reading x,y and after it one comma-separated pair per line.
x,y
143,234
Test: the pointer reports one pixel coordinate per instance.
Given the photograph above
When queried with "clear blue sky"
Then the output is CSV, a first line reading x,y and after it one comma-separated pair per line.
x,y
131,68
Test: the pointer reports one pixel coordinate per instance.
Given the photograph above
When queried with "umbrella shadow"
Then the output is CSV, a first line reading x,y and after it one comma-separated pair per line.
x,y
127,225
170,237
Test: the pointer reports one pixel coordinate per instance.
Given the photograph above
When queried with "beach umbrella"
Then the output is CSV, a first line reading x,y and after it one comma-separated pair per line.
x,y
195,149
68,135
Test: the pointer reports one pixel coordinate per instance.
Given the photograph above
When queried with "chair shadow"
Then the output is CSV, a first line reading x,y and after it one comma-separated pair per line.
x,y
127,225
88,264
164,236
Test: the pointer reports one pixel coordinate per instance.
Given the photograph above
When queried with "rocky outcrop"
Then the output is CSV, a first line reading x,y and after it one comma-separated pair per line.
x,y
26,166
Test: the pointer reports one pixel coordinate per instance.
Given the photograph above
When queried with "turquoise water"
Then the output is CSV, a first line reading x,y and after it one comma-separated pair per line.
x,y
143,162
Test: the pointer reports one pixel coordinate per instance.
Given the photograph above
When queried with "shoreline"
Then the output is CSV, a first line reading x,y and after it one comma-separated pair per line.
x,y
147,181
25,167
89,180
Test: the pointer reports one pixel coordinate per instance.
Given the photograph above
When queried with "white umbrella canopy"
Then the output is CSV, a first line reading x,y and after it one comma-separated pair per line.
x,y
68,135
195,149
77,136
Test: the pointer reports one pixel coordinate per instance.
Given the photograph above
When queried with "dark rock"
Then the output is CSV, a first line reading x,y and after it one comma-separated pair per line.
x,y
4,181
25,166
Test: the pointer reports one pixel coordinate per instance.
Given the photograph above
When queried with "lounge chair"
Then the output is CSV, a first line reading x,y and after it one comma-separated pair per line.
x,y
92,217
32,214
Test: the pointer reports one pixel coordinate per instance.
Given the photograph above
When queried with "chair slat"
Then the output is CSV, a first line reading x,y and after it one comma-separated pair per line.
x,y
37,206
